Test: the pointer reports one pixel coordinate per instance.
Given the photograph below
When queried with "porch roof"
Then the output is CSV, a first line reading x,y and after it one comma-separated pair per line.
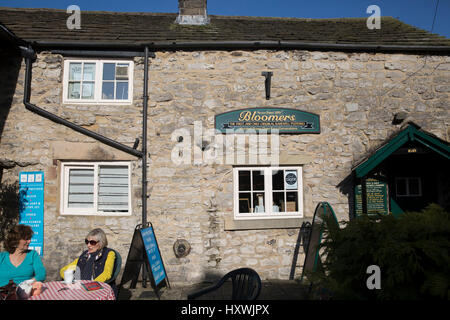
x,y
411,133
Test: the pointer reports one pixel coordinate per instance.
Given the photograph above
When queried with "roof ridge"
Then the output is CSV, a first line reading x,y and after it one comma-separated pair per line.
x,y
87,11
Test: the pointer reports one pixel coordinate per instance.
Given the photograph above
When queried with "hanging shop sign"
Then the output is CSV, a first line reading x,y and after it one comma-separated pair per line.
x,y
282,119
376,197
31,206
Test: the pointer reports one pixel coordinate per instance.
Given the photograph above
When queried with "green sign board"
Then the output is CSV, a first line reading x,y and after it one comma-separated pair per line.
x,y
282,119
377,197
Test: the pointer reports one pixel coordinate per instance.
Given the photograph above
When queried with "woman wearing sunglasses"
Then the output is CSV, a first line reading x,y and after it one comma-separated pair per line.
x,y
97,262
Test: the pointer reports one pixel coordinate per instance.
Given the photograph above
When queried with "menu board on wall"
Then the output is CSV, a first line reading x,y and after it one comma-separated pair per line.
x,y
31,207
377,197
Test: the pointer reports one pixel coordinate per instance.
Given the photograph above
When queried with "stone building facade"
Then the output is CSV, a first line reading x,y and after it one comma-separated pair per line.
x,y
355,93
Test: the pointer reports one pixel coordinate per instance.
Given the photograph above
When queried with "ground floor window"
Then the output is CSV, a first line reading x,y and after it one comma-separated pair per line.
x,y
408,187
268,192
96,188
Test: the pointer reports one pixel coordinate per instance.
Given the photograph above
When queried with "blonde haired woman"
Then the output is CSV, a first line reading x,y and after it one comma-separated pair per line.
x,y
97,262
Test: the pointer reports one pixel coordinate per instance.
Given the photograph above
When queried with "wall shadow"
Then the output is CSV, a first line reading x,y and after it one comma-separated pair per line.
x,y
347,187
10,64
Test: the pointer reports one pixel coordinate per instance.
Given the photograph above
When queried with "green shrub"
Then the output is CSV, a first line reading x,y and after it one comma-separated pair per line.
x,y
411,251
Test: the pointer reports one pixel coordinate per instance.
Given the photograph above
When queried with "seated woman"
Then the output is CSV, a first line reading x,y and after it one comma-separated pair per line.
x,y
97,262
19,263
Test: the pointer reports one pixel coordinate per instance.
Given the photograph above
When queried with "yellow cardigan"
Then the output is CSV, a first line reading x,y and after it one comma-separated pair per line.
x,y
107,271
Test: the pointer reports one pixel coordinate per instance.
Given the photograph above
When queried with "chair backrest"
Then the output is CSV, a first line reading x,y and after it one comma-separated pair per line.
x,y
246,284
117,267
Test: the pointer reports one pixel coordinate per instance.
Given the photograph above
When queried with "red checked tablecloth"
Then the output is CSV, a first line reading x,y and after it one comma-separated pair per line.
x,y
52,291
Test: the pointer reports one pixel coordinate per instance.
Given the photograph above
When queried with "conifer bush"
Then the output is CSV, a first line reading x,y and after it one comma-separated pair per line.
x,y
412,252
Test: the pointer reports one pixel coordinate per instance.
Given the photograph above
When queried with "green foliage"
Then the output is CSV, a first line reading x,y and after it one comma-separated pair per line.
x,y
411,251
9,208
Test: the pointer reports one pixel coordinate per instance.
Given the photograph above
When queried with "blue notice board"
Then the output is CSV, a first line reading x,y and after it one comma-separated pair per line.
x,y
31,191
154,258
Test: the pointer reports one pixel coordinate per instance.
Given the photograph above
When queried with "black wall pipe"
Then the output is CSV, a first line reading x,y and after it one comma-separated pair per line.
x,y
242,45
144,140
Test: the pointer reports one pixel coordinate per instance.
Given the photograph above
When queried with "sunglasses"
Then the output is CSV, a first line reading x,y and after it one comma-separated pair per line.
x,y
91,242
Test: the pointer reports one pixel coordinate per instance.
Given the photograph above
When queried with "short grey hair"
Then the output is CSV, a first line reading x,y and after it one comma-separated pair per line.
x,y
99,236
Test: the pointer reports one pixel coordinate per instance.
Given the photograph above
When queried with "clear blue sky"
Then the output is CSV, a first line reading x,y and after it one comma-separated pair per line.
x,y
419,13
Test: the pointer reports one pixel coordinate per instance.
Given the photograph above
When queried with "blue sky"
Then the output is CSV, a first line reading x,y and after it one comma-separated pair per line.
x,y
419,13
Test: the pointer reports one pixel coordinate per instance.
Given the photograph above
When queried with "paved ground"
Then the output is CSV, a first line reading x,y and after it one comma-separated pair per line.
x,y
270,290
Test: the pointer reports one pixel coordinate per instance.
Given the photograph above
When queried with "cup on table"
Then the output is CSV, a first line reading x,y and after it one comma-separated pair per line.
x,y
68,276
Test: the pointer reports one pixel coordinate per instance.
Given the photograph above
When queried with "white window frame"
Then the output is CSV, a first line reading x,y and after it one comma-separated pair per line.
x,y
408,194
268,196
97,82
65,210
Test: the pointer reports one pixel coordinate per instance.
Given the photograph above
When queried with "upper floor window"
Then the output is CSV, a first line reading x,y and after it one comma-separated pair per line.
x,y
98,81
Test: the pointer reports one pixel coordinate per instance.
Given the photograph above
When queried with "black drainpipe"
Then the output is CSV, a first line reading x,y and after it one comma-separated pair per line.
x,y
29,54
144,141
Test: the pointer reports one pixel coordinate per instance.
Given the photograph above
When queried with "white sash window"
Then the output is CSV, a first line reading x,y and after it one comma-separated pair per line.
x,y
98,81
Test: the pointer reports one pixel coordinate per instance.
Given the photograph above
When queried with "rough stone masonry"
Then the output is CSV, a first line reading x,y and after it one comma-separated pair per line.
x,y
355,94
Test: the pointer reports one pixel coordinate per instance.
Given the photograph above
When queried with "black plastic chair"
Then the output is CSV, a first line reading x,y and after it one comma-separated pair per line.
x,y
116,271
246,285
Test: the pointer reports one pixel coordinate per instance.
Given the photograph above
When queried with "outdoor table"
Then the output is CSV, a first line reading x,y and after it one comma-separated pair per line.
x,y
52,291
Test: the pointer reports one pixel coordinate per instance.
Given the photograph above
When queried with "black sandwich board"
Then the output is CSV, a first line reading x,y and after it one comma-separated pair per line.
x,y
144,254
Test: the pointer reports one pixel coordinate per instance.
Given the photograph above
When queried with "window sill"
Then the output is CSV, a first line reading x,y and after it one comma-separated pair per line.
x,y
106,102
257,224
101,214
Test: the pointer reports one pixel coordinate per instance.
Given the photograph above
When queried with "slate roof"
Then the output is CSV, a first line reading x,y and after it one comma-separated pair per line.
x,y
49,25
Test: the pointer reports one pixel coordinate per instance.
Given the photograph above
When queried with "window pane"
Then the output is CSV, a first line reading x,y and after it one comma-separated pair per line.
x,y
113,189
414,186
122,71
401,187
277,180
81,188
290,180
258,200
258,180
122,91
88,90
75,71
278,202
108,90
244,202
291,202
244,180
89,71
109,71
74,91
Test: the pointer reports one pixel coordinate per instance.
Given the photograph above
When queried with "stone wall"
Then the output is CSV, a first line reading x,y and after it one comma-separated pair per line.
x,y
355,94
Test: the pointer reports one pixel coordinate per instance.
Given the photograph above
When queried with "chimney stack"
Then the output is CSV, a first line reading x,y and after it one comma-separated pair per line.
x,y
192,12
